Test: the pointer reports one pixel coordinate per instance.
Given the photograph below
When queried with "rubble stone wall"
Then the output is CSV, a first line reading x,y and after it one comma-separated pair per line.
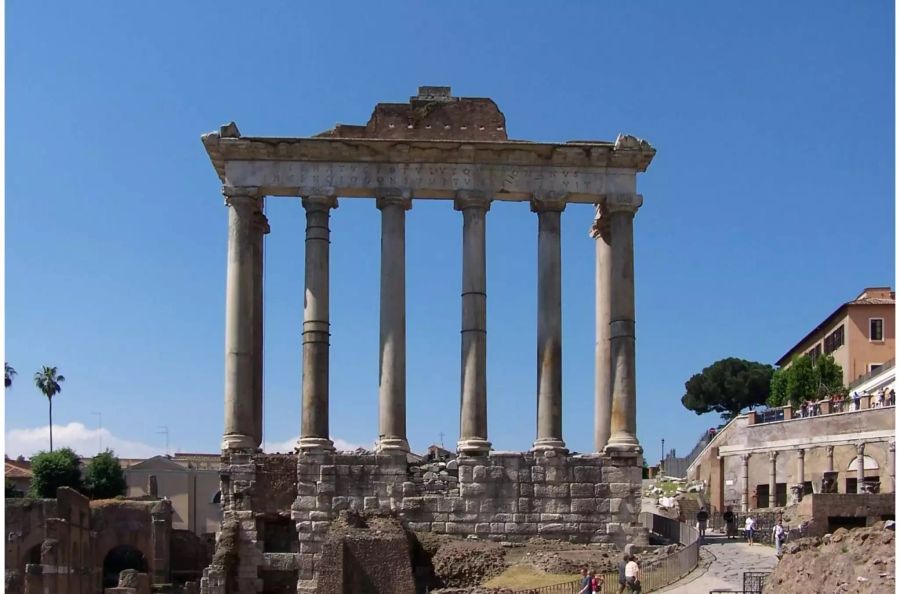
x,y
503,496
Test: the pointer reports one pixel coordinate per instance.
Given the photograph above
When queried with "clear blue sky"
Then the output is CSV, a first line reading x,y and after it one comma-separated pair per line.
x,y
771,199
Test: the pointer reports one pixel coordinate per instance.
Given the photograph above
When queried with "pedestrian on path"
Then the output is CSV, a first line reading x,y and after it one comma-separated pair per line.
x,y
728,517
585,582
779,536
633,575
621,567
749,527
702,518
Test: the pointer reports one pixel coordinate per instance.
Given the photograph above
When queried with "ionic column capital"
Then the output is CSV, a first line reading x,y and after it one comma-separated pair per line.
x,y
325,199
548,202
801,453
600,225
829,450
241,195
622,203
773,456
745,458
891,445
861,448
471,199
391,196
261,222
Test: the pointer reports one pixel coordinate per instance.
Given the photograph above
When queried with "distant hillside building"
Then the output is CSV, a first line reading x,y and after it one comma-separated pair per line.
x,y
859,335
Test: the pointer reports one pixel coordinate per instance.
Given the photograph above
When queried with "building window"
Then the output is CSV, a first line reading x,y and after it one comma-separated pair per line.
x,y
874,366
814,352
835,340
876,329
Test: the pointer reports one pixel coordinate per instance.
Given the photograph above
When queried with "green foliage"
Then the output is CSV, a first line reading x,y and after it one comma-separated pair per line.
x,y
11,491
54,469
103,477
727,387
805,380
9,374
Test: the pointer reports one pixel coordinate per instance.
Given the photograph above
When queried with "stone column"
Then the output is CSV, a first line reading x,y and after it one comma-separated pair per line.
x,y
797,489
473,391
240,422
260,230
773,459
829,458
745,482
623,425
860,467
549,208
892,460
393,205
314,426
602,295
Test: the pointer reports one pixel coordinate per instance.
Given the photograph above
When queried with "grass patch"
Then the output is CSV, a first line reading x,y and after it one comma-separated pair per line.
x,y
525,576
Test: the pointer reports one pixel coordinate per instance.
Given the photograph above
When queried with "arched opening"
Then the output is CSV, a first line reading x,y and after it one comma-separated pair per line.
x,y
217,498
118,559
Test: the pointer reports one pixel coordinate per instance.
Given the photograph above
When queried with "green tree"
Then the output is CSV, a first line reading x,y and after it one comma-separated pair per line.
x,y
10,373
728,386
103,477
805,379
48,382
51,470
11,491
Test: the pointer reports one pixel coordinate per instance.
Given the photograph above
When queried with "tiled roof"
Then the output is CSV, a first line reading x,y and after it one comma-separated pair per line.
x,y
15,471
873,301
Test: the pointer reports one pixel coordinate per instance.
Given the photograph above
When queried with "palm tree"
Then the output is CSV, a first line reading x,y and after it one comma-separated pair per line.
x,y
10,374
47,381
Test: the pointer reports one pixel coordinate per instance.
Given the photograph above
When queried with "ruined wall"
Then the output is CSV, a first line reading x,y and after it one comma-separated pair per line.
x,y
505,496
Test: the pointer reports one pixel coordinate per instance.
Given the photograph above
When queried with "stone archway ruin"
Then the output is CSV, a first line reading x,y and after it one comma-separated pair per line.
x,y
436,147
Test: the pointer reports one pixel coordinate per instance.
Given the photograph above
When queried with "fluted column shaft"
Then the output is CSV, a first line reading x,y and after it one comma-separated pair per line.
x,y
473,391
623,424
549,323
602,297
392,360
745,482
860,467
240,424
314,424
773,461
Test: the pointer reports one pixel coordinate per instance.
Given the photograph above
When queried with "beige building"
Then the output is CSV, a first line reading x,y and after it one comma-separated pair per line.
x,y
189,481
859,334
782,453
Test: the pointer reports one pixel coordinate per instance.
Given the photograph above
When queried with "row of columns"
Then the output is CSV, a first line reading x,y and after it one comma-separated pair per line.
x,y
801,471
615,388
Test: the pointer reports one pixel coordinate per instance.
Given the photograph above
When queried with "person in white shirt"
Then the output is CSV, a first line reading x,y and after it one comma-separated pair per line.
x,y
779,536
749,527
633,575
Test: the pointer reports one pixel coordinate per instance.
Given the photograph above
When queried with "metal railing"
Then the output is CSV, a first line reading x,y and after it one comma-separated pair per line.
x,y
770,416
753,583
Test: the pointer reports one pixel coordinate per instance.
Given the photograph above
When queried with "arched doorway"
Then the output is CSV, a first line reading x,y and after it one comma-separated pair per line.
x,y
120,558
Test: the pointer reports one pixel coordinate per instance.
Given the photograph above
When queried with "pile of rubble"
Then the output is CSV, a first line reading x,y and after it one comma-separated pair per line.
x,y
847,561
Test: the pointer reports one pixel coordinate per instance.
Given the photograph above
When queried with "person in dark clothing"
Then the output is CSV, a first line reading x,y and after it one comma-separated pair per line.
x,y
621,567
702,518
728,517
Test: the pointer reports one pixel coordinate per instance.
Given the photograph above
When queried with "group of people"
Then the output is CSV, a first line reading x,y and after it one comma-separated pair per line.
x,y
779,534
629,577
881,397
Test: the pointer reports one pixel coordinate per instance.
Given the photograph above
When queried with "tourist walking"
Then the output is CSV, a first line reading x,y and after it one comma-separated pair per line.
x,y
856,400
621,567
702,518
596,582
779,536
633,575
585,582
749,527
728,517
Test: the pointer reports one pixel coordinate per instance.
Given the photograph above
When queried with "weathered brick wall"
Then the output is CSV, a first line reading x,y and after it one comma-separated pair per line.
x,y
504,496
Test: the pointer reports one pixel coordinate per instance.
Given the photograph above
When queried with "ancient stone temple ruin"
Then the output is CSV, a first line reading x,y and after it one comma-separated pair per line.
x,y
278,508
